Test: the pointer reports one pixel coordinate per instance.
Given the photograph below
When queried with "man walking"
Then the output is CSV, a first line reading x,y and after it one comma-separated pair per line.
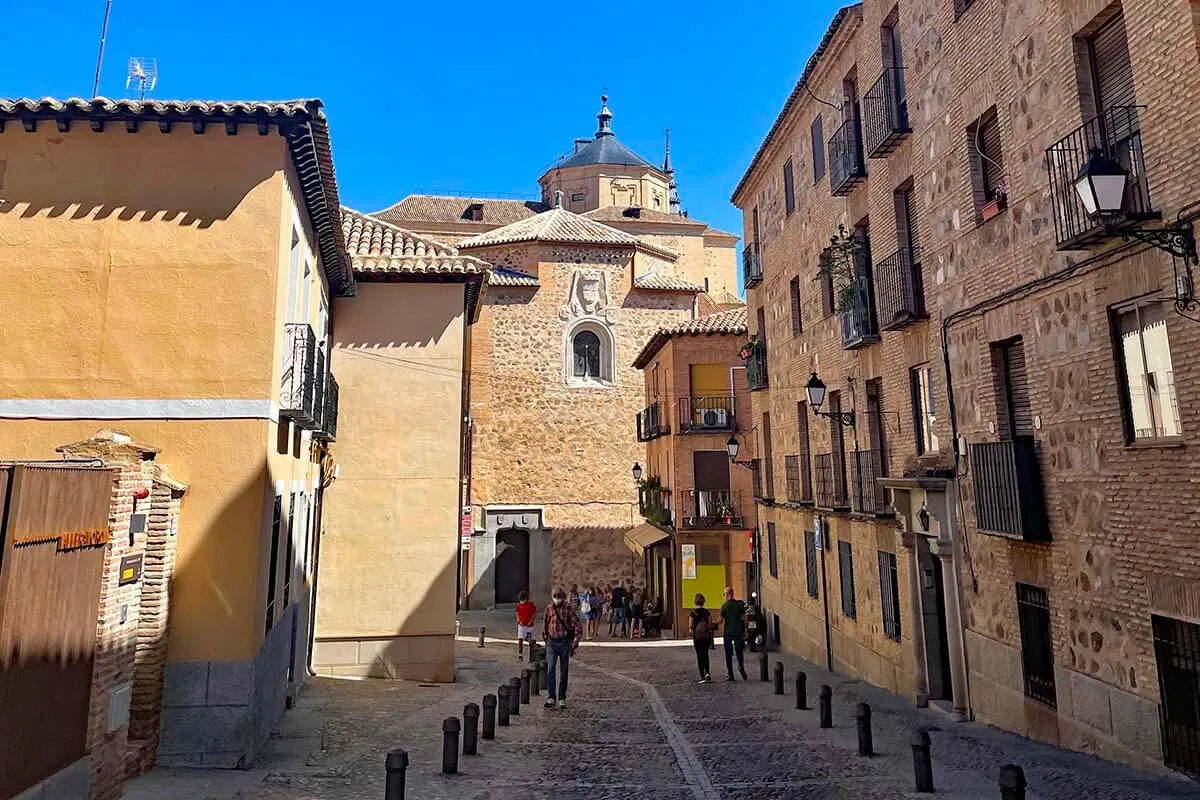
x,y
733,622
562,631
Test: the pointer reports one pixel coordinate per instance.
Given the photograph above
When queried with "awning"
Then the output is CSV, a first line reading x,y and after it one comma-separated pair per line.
x,y
643,536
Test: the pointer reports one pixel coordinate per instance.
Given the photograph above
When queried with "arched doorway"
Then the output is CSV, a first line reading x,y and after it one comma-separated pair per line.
x,y
512,564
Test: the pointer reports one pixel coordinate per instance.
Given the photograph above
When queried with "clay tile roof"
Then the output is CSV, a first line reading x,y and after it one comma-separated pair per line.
x,y
622,214
727,322
562,226
380,247
503,276
665,283
303,122
435,208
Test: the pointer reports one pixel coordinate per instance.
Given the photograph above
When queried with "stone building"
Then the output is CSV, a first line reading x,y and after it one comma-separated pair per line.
x,y
1028,354
581,280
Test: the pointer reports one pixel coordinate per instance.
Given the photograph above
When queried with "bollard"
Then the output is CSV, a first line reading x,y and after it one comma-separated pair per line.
x,y
541,668
535,680
526,684
862,719
762,666
801,691
514,696
922,761
502,705
450,730
778,677
482,631
1012,782
489,716
825,706
397,768
470,728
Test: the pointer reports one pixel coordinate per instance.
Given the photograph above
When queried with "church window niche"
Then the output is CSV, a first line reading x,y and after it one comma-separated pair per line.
x,y
589,358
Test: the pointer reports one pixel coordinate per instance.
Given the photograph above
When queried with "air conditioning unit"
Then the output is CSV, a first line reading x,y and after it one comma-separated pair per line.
x,y
714,418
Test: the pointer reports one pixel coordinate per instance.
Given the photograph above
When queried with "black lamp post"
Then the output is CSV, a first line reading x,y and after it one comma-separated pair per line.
x,y
816,398
732,447
637,472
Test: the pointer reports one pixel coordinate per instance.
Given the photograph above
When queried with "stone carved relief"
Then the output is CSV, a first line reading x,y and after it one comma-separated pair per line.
x,y
588,297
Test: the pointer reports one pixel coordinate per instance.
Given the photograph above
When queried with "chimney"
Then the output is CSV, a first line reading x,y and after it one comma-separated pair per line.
x,y
581,143
633,212
475,212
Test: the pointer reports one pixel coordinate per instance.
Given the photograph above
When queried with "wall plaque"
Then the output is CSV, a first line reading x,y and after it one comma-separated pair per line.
x,y
131,570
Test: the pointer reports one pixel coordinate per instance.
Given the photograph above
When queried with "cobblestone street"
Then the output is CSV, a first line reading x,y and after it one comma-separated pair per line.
x,y
639,726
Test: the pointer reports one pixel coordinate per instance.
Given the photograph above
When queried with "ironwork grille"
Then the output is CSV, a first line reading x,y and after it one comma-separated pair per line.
x,y
756,477
791,471
772,550
889,595
706,414
1037,650
810,561
846,576
1177,652
273,571
870,497
831,482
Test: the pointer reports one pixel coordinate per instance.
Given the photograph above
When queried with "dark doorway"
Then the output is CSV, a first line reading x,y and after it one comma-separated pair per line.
x,y
933,607
512,564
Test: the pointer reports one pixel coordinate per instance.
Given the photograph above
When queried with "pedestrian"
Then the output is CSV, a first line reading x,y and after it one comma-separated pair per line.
x,y
573,597
637,614
628,620
562,630
654,611
597,613
700,623
585,610
733,629
617,601
526,616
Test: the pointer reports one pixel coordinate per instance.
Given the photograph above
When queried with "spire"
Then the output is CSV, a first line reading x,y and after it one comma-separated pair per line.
x,y
669,171
667,158
605,117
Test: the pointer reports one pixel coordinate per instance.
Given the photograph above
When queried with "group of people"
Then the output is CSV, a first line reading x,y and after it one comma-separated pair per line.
x,y
631,612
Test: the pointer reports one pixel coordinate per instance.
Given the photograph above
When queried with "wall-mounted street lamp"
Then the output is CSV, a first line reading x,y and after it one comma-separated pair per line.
x,y
637,472
732,447
816,398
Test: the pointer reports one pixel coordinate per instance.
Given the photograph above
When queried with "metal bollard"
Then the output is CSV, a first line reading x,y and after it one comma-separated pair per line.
x,y
801,691
862,719
514,696
482,631
922,761
1012,782
778,677
450,731
526,681
535,680
396,766
470,729
489,716
825,706
762,666
541,668
502,705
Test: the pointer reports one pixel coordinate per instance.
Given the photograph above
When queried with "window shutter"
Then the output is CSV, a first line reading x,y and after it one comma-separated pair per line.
x,y
710,470
789,191
797,319
993,166
826,284
1113,70
1014,356
818,149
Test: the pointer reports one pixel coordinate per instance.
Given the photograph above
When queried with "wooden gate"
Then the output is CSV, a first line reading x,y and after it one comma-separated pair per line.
x,y
53,532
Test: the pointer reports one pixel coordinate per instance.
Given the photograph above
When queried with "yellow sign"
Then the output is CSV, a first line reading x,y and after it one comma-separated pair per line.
x,y
689,561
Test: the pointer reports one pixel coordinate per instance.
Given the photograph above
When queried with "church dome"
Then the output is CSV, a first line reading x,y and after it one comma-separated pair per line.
x,y
605,147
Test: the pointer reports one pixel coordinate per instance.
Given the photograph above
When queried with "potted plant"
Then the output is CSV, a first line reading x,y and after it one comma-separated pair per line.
x,y
839,265
995,205
725,512
747,349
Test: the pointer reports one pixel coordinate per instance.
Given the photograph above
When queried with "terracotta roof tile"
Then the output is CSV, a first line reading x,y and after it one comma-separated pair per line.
x,y
435,208
376,246
727,322
665,283
560,225
503,276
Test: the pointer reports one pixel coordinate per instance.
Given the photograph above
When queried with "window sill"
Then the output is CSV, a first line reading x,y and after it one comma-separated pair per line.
x,y
981,219
576,384
1164,443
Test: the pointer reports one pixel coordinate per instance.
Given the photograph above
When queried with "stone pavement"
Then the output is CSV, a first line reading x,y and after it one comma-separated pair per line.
x,y
639,726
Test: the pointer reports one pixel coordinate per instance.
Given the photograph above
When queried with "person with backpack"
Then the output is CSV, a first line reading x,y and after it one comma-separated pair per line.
x,y
733,617
702,627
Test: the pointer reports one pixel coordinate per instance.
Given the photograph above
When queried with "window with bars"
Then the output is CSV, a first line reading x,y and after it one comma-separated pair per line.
x,y
273,570
987,162
1149,404
1014,416
789,189
846,578
1037,649
889,595
804,457
810,562
818,149
772,551
797,319
1177,655
768,458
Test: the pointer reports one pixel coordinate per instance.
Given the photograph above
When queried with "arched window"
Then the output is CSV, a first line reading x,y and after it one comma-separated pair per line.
x,y
586,347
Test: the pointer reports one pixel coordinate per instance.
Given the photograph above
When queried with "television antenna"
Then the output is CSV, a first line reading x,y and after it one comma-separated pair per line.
x,y
143,74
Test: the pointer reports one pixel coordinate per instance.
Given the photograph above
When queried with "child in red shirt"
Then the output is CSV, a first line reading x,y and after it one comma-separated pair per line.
x,y
526,616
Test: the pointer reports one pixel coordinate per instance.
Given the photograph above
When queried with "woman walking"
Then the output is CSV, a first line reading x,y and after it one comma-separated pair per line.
x,y
637,614
700,622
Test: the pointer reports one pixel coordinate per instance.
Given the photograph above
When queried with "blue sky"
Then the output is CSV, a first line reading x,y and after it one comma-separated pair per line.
x,y
454,96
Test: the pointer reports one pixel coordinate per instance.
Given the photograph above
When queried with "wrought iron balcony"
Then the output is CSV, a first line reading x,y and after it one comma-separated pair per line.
x,y
752,271
711,508
868,496
799,480
831,482
756,367
885,114
297,389
846,167
1009,497
706,414
901,293
1118,134
654,503
319,376
326,428
652,423
859,327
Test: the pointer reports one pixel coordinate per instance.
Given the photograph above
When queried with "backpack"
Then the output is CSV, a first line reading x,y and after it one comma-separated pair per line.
x,y
700,628
586,606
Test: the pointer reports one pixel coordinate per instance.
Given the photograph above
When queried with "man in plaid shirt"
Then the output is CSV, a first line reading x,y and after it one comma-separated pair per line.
x,y
562,630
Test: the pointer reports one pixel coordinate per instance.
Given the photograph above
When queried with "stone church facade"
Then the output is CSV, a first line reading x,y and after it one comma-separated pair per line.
x,y
579,283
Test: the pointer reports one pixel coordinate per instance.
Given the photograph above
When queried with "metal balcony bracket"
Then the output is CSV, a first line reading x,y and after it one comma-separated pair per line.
x,y
1178,239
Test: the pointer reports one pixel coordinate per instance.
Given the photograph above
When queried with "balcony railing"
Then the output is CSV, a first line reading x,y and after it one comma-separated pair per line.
x,y
901,293
652,423
859,327
1009,498
704,414
654,503
756,367
868,495
799,481
712,508
885,114
846,167
320,373
752,272
297,389
326,427
1118,134
831,482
